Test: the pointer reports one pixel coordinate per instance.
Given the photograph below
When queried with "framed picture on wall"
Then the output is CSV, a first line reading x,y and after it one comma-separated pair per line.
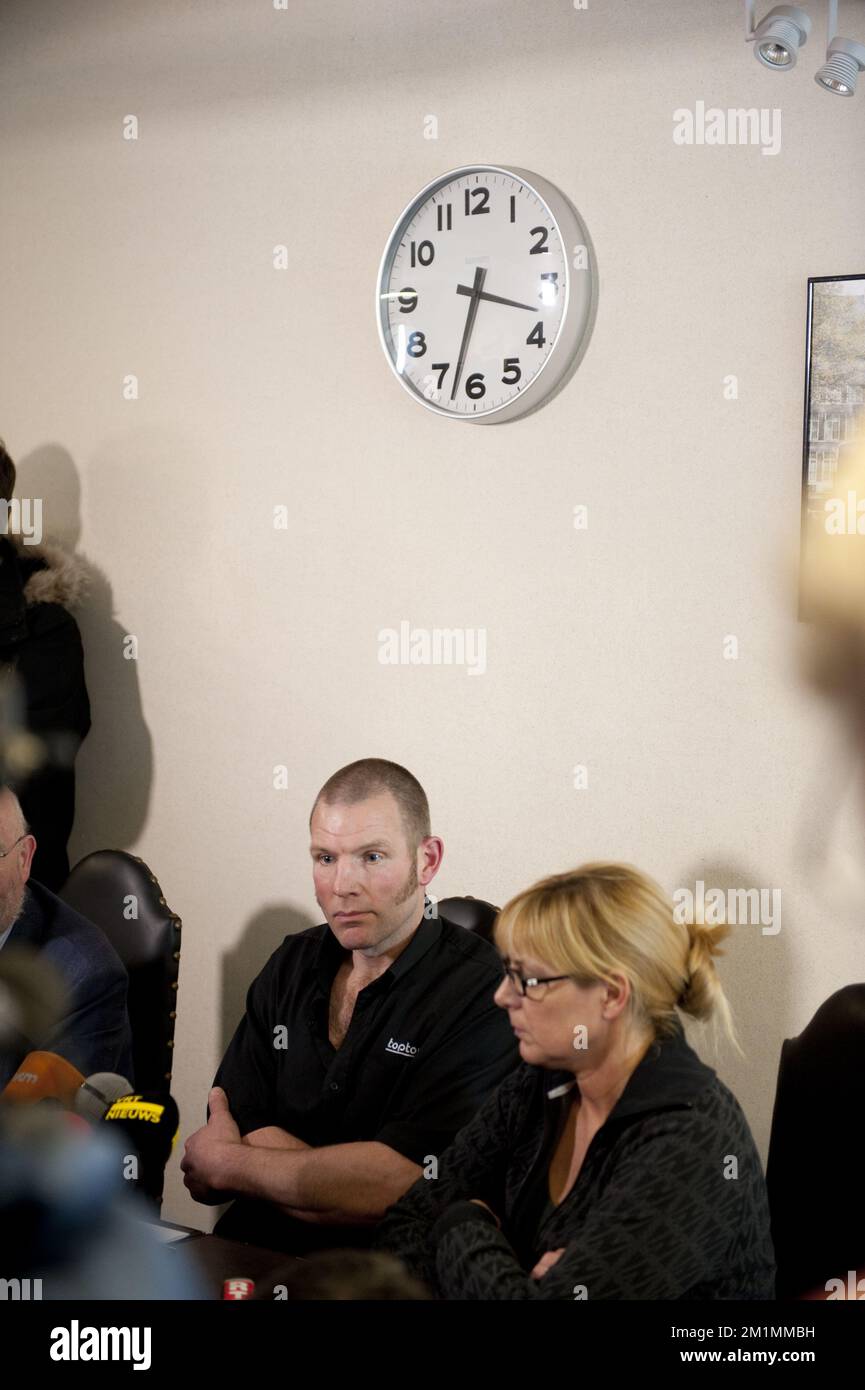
x,y
834,387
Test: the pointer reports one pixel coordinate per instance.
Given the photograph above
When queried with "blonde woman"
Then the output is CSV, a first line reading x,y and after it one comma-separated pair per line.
x,y
612,1164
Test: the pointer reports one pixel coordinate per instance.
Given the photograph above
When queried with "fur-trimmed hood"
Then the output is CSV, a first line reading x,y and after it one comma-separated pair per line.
x,y
53,575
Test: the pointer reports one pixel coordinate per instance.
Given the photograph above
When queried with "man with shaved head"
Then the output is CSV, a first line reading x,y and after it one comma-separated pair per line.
x,y
367,1041
94,1033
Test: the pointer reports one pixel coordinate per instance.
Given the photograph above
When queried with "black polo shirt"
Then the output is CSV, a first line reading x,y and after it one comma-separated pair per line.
x,y
426,1045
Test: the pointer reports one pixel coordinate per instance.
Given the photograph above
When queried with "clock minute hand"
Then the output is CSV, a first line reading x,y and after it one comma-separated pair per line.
x,y
475,292
496,298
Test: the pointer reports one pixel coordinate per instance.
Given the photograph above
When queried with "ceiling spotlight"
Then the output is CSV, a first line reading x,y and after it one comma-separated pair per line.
x,y
778,37
845,59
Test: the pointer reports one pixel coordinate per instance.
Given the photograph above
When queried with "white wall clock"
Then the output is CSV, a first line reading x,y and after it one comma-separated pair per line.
x,y
486,293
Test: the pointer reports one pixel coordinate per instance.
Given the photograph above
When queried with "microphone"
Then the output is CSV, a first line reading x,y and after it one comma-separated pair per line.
x,y
151,1122
95,1095
237,1288
66,1218
43,1076
55,1185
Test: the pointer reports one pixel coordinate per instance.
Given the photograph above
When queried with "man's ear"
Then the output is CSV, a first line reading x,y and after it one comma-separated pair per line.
x,y
430,854
28,849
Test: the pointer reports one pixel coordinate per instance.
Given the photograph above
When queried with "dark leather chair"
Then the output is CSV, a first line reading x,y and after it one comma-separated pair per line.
x,y
472,913
100,888
814,1171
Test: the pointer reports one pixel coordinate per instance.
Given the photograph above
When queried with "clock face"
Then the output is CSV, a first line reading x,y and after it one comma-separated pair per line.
x,y
486,293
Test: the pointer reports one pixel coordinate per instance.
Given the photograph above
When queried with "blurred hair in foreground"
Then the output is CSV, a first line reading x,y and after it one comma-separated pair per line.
x,y
343,1276
832,584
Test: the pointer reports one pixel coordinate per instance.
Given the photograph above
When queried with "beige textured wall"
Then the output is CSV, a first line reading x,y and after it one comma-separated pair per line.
x,y
258,647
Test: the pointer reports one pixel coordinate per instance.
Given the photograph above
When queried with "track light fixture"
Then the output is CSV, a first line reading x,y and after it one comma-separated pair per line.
x,y
845,59
778,37
785,29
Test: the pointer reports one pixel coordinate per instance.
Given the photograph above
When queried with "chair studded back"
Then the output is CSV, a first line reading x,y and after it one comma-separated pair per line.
x,y
119,893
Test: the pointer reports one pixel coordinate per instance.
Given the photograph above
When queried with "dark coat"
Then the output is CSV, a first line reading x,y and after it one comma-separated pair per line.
x,y
655,1213
40,641
94,1033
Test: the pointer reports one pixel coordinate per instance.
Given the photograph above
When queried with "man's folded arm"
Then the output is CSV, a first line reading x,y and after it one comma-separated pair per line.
x,y
272,1137
339,1184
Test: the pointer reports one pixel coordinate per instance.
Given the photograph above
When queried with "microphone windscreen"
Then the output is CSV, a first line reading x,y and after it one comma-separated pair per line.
x,y
96,1094
43,1076
150,1121
238,1288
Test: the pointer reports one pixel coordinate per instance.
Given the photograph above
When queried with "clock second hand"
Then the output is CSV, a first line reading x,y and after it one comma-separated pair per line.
x,y
475,292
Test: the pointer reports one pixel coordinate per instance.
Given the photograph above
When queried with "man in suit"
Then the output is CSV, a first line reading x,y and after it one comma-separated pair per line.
x,y
94,1033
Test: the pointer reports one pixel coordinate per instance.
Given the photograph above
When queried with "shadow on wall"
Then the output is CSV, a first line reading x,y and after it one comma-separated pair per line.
x,y
114,769
755,973
262,935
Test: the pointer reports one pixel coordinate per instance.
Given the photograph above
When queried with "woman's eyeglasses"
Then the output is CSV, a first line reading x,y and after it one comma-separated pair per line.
x,y
533,986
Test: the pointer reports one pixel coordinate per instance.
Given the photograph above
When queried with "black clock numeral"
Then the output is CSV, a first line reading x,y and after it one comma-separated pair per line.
x,y
475,386
441,368
422,254
553,277
513,207
416,346
537,334
407,300
444,217
481,198
541,245
512,373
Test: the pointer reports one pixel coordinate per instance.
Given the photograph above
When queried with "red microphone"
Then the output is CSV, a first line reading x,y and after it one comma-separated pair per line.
x,y
237,1288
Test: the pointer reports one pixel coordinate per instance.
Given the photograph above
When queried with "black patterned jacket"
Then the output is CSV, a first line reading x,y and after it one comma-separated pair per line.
x,y
670,1202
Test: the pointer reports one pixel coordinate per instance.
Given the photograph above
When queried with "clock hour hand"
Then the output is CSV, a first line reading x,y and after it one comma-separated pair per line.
x,y
496,298
475,292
